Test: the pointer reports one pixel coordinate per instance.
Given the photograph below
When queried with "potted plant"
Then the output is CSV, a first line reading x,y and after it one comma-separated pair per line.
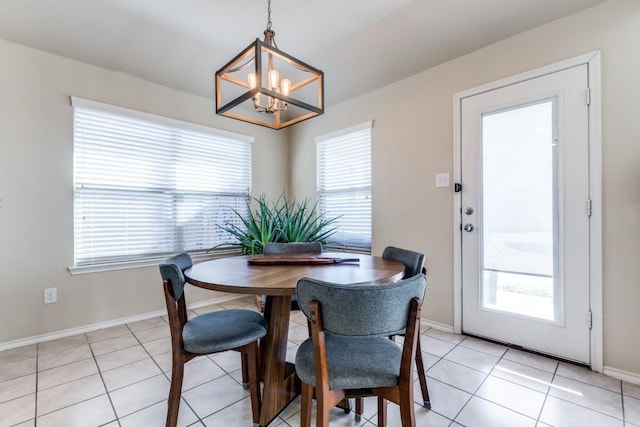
x,y
283,221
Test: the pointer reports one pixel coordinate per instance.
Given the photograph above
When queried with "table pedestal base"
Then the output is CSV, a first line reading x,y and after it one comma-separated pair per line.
x,y
281,385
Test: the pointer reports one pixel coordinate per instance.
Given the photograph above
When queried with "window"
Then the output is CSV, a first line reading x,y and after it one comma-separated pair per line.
x,y
344,184
147,186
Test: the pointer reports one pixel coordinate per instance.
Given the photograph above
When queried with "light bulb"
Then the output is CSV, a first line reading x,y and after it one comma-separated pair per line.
x,y
285,86
273,79
252,80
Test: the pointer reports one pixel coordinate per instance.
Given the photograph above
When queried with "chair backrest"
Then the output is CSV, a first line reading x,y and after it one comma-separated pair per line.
x,y
172,270
273,248
362,309
413,261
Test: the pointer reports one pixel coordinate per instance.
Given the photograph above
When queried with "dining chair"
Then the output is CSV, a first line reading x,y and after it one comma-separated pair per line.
x,y
349,352
214,332
413,264
278,248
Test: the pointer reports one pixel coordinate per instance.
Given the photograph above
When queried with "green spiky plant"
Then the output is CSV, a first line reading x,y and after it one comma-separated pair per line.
x,y
282,221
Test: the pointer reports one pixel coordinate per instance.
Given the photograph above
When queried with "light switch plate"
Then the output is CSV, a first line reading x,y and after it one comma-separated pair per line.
x,y
442,179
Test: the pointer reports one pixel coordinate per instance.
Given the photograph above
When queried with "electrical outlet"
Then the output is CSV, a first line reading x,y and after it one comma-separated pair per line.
x,y
442,179
50,295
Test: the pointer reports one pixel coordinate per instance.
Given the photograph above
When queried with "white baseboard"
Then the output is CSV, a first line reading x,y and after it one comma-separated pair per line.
x,y
630,377
103,325
435,325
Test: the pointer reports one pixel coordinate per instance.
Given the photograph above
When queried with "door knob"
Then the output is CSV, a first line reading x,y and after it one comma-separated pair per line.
x,y
468,210
468,228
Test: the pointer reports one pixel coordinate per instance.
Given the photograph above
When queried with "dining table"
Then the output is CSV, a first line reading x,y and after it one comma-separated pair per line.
x,y
276,278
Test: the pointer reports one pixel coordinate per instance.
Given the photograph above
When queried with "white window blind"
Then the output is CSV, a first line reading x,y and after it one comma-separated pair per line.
x,y
344,184
147,186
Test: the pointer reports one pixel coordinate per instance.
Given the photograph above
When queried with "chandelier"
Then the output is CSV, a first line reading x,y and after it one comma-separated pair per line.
x,y
265,86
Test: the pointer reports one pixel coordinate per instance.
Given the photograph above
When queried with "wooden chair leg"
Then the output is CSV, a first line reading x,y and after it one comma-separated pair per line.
x,y
306,403
359,408
422,377
250,357
382,412
345,405
245,371
175,391
407,413
323,407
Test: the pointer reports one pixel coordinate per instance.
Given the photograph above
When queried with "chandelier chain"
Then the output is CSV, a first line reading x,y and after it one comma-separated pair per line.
x,y
268,14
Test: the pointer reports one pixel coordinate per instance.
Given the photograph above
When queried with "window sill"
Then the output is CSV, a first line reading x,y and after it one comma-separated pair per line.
x,y
144,263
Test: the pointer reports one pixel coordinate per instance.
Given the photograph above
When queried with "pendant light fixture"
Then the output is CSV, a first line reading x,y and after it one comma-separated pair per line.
x,y
265,86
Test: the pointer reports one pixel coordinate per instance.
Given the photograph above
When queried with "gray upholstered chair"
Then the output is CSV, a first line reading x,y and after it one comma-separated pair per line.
x,y
349,352
208,333
413,261
413,264
277,248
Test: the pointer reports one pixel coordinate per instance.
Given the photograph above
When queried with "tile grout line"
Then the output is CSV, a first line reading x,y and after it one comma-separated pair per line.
x,y
424,333
624,415
182,399
89,398
555,374
589,409
104,384
163,373
546,395
485,379
586,407
63,383
93,357
481,383
472,394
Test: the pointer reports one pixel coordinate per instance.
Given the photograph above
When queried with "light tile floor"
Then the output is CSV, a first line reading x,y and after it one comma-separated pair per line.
x,y
120,377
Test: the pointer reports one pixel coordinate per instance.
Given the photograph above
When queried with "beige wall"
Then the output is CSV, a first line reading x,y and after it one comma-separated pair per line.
x,y
413,137
36,176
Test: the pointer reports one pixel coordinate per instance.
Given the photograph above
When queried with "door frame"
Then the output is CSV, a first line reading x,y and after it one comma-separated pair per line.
x,y
593,60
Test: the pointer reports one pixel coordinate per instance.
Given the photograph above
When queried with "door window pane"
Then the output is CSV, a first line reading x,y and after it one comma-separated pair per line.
x,y
519,220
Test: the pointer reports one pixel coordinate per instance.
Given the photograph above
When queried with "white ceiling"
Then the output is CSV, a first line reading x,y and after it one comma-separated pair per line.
x,y
361,45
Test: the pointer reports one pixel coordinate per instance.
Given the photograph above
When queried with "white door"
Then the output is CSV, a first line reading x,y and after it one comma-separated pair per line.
x,y
525,214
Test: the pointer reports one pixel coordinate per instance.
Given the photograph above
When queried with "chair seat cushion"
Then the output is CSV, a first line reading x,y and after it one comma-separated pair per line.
x,y
377,363
222,330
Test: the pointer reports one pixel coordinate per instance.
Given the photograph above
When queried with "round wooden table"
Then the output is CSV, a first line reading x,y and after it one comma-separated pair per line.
x,y
278,283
